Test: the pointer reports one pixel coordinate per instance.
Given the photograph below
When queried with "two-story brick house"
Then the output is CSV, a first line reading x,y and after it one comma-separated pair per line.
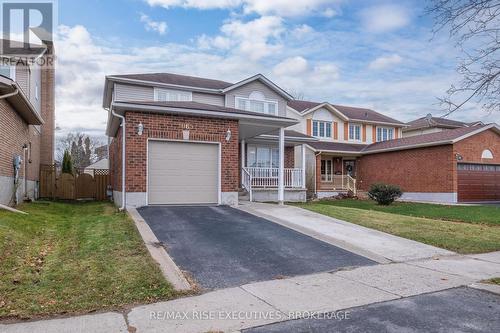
x,y
190,140
26,121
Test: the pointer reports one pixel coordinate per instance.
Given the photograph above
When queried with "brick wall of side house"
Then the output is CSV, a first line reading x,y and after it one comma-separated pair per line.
x,y
472,147
47,112
14,133
170,127
115,161
430,169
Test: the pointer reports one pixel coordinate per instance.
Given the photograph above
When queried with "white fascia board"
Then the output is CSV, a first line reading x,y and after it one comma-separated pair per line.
x,y
479,130
328,106
265,80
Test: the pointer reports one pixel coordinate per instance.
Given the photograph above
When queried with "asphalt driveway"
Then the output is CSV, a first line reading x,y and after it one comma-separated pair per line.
x,y
453,310
225,247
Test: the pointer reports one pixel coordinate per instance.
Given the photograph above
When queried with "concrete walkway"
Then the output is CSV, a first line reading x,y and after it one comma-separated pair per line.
x,y
261,303
376,245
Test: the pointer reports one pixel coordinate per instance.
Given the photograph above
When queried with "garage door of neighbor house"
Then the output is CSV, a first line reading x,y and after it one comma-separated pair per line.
x,y
478,182
183,173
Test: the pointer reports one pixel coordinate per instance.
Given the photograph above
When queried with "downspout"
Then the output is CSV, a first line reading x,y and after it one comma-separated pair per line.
x,y
124,194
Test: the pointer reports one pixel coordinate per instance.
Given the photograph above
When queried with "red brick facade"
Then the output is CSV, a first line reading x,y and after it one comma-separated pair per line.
x,y
429,169
162,126
14,133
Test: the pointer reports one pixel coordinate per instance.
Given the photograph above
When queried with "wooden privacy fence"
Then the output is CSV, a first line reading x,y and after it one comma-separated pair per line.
x,y
89,184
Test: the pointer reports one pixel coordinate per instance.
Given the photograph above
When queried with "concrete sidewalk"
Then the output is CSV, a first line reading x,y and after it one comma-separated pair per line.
x,y
273,301
376,245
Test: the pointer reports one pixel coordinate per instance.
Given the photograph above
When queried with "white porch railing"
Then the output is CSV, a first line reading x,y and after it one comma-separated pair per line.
x,y
268,177
246,181
339,183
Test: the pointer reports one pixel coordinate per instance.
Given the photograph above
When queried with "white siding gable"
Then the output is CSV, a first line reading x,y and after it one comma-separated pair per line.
x,y
256,87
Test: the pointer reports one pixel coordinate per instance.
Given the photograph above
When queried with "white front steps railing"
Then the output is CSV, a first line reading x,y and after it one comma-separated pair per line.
x,y
253,177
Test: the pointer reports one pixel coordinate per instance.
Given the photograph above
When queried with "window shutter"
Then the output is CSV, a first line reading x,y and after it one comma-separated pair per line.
x,y
364,133
335,131
396,133
309,126
346,131
374,133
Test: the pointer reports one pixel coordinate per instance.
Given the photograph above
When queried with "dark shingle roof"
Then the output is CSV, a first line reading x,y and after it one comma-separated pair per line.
x,y
446,135
350,112
176,79
434,122
337,146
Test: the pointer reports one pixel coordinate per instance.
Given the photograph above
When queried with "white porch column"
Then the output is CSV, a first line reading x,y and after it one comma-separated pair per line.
x,y
243,158
303,166
281,170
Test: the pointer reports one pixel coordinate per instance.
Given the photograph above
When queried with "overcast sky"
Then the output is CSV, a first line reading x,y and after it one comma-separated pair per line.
x,y
376,54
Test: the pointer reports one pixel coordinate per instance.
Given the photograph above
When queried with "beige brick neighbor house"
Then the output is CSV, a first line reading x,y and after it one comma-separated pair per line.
x,y
187,140
26,124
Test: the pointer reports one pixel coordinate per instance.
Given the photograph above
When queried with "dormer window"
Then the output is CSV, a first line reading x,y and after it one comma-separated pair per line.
x,y
322,129
169,95
384,134
256,102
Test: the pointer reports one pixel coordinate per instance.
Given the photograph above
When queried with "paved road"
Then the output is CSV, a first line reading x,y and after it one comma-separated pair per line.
x,y
224,247
453,310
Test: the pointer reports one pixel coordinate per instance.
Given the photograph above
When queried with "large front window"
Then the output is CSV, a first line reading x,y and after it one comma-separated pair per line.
x,y
322,129
384,134
248,104
262,157
326,170
354,132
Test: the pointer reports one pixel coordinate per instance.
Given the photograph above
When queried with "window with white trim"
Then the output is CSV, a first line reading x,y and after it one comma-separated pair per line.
x,y
355,132
256,102
326,170
8,71
322,129
36,91
262,157
385,133
169,95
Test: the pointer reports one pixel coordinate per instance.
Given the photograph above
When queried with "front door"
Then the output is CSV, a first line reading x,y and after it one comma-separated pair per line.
x,y
350,168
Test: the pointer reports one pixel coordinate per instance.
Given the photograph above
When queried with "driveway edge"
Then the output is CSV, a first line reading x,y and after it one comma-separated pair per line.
x,y
167,265
317,235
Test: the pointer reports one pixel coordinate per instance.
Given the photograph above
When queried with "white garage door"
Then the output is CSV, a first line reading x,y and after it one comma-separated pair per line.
x,y
182,173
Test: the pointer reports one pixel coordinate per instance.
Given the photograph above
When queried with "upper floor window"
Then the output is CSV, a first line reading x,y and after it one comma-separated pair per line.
x,y
322,129
384,134
8,71
36,91
256,102
168,95
355,132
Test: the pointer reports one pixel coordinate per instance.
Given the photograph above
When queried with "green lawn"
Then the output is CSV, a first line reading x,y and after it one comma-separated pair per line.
x,y
494,281
474,214
73,258
461,237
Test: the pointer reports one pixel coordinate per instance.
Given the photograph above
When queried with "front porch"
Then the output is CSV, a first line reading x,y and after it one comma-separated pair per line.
x,y
260,168
335,175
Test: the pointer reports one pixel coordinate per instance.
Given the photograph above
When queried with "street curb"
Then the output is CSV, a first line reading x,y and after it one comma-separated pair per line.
x,y
168,267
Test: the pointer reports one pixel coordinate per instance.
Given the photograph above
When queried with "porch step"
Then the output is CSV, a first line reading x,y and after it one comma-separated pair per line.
x,y
243,195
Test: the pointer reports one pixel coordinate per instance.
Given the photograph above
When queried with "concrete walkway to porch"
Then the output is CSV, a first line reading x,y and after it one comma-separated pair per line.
x,y
376,245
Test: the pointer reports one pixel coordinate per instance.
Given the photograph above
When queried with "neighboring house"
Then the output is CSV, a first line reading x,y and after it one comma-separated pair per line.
x,y
191,140
102,164
342,133
26,124
430,124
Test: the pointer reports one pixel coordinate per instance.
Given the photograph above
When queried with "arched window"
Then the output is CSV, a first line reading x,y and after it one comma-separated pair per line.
x,y
257,96
487,154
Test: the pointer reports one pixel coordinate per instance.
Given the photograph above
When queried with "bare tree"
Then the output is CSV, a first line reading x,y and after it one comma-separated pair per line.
x,y
474,25
297,94
81,147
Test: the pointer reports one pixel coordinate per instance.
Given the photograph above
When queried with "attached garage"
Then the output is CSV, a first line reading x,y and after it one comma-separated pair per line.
x,y
183,173
478,182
